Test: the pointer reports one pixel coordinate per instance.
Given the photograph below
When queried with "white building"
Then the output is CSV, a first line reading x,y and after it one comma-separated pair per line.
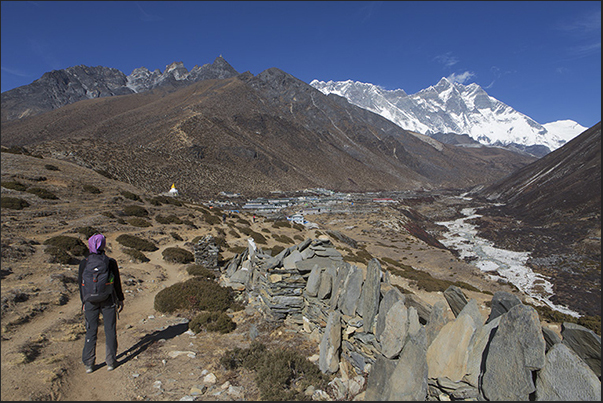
x,y
173,191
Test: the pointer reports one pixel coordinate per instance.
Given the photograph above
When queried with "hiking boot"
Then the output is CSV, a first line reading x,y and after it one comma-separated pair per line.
x,y
89,369
110,367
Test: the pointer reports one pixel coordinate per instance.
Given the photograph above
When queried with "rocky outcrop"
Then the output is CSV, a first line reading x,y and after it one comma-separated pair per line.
x,y
206,252
58,88
407,349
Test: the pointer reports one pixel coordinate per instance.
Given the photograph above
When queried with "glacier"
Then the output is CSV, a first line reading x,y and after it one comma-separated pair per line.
x,y
450,107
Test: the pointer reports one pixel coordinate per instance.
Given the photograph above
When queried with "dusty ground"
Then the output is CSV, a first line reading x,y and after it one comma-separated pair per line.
x,y
42,322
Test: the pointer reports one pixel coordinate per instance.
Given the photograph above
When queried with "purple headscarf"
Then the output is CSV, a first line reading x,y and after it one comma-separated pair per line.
x,y
96,243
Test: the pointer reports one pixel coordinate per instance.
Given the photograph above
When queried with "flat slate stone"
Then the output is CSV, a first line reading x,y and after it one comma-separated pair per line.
x,y
585,343
371,293
351,291
517,349
395,331
565,376
456,299
389,298
502,301
330,345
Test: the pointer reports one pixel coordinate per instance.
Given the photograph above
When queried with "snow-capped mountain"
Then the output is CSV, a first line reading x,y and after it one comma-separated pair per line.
x,y
450,107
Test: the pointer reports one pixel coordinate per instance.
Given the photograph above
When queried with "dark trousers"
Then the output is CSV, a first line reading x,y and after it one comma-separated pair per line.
x,y
91,313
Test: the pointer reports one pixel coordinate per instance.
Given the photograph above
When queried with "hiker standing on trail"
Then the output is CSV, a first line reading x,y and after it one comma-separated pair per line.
x,y
100,291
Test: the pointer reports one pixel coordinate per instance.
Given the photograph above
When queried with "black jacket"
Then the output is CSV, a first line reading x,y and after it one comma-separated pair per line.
x,y
113,268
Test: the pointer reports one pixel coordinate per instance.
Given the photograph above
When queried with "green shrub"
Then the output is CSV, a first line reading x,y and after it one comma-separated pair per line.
x,y
176,236
201,271
197,294
276,249
14,185
139,222
237,249
16,150
423,280
177,255
13,203
87,231
281,224
257,237
104,173
108,214
42,193
59,255
234,233
130,195
283,239
159,200
75,246
136,255
137,211
170,219
137,243
91,189
299,227
221,242
462,284
283,374
51,167
212,219
590,322
212,322
246,358
189,223
241,220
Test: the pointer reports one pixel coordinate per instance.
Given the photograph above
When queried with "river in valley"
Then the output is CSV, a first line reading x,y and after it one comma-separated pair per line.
x,y
498,264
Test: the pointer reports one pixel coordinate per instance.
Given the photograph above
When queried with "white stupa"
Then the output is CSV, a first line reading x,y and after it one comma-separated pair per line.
x,y
173,191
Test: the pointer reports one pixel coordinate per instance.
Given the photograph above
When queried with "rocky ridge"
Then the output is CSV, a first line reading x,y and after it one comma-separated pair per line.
x,y
59,88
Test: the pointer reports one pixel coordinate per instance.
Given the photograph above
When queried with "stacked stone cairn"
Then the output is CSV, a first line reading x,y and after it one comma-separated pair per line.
x,y
206,252
407,349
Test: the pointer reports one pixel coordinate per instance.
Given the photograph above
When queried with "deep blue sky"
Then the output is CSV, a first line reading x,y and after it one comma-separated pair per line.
x,y
542,58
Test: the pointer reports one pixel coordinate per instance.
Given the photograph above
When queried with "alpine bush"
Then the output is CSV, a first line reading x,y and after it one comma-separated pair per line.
x,y
283,374
51,167
137,211
14,185
139,222
201,271
177,255
14,203
136,255
42,193
212,322
130,195
91,189
137,243
74,246
196,294
87,231
170,219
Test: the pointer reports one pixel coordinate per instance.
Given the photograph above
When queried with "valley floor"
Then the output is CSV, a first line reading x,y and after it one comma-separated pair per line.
x,y
42,322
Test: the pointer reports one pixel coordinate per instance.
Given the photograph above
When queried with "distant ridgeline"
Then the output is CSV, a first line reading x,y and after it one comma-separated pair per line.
x,y
409,349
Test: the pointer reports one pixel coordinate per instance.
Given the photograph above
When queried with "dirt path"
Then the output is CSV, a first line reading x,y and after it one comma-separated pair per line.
x,y
83,386
69,381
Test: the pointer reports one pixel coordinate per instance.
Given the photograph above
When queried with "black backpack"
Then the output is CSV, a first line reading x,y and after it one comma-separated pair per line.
x,y
97,280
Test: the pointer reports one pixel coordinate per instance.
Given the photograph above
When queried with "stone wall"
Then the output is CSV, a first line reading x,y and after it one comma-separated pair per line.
x,y
206,252
408,349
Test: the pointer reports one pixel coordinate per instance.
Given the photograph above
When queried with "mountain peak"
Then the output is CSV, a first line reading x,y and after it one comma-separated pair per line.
x,y
450,107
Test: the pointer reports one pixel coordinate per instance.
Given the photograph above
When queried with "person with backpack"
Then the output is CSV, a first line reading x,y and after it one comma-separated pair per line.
x,y
100,292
